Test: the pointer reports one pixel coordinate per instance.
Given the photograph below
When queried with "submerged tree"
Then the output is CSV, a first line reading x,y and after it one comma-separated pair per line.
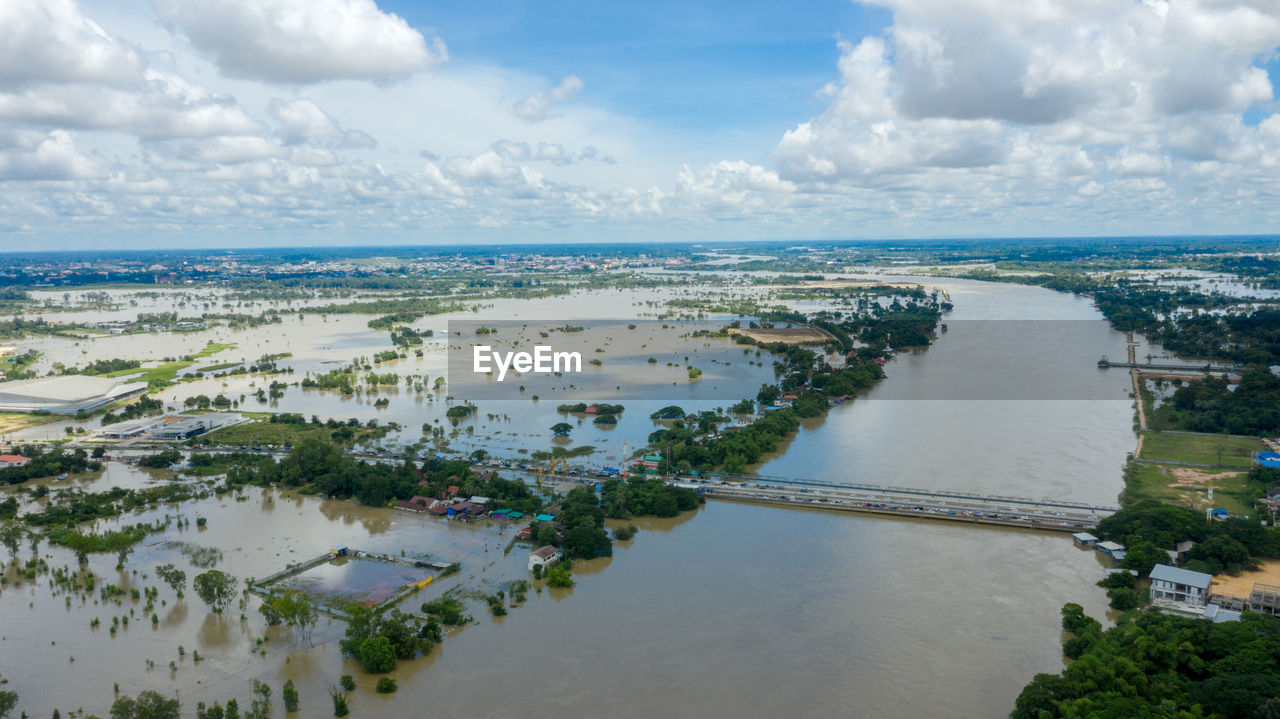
x,y
148,705
174,577
11,535
290,696
215,588
295,610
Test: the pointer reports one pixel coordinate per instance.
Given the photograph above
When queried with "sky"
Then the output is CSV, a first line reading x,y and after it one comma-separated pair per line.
x,y
193,123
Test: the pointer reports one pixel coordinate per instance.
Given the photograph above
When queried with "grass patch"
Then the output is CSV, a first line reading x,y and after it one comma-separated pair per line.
x,y
1200,449
1188,487
14,421
211,349
220,367
259,433
166,372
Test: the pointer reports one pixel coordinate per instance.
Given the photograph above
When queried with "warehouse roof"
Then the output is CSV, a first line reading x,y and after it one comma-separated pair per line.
x,y
64,392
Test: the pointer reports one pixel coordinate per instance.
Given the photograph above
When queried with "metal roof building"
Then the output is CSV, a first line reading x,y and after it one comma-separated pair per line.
x,y
65,394
1177,575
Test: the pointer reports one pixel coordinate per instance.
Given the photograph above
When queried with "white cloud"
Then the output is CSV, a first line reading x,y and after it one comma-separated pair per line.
x,y
158,104
964,117
304,41
538,106
50,41
728,185
302,121
987,110
552,152
29,157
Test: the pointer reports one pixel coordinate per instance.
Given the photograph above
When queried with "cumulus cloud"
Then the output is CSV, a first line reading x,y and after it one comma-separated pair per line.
x,y
302,121
29,156
50,41
730,185
539,106
304,41
985,107
963,117
156,105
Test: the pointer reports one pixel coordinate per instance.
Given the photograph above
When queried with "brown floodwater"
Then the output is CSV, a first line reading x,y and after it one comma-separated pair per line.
x,y
734,610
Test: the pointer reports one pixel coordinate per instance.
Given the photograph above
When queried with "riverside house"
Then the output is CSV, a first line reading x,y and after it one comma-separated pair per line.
x,y
1179,586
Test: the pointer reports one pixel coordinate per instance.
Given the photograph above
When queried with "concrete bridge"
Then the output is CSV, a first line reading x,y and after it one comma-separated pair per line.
x,y
1105,363
1041,515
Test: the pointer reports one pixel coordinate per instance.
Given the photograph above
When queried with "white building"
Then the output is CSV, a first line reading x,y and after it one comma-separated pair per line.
x,y
1182,586
12,460
129,429
544,557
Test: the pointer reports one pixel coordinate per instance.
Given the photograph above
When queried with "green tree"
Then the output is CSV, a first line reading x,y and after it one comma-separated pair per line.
x,y
547,534
558,576
376,655
339,697
1123,598
1143,557
11,534
8,700
290,697
561,429
293,609
215,588
148,705
172,576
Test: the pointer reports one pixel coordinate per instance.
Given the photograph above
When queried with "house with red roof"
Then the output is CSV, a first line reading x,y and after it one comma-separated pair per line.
x,y
12,460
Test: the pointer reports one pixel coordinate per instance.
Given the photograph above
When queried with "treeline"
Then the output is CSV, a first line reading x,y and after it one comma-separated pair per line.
x,y
1182,319
1157,665
319,466
581,407
393,312
584,535
69,508
646,498
1192,323
19,327
1211,405
104,366
237,321
47,463
1149,528
343,380
143,407
686,447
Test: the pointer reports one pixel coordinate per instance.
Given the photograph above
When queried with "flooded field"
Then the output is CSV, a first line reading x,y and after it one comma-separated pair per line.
x,y
344,580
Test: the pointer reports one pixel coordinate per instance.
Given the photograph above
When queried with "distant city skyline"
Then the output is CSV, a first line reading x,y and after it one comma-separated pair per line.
x,y
259,123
